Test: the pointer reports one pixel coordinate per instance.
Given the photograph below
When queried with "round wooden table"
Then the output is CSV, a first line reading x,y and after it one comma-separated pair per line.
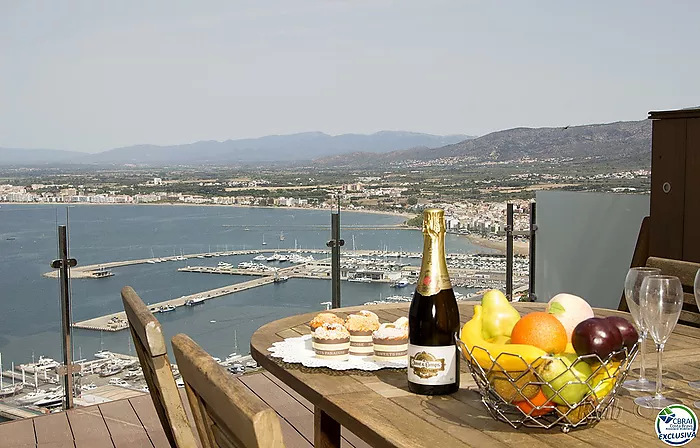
x,y
378,407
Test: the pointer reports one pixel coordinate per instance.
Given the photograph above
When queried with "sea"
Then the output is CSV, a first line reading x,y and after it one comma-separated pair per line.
x,y
30,319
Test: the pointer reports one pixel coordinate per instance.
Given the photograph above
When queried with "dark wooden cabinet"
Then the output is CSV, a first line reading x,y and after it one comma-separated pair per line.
x,y
675,185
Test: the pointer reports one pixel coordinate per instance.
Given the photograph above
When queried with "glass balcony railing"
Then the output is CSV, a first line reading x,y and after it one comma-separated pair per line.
x,y
585,243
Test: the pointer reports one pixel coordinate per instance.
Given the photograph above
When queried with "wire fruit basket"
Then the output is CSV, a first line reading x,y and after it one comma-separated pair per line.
x,y
566,391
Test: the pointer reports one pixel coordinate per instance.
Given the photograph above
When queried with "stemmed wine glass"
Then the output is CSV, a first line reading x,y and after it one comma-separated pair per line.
x,y
696,288
633,282
661,301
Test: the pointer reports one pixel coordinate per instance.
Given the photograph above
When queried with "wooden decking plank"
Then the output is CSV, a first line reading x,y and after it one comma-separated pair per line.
x,y
124,425
89,428
287,407
292,437
19,433
53,430
348,435
146,412
306,403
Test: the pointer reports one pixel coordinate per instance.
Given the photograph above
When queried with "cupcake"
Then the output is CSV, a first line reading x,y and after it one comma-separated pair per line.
x,y
325,318
332,341
361,326
391,341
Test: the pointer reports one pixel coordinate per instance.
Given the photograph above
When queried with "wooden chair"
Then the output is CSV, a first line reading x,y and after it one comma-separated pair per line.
x,y
226,413
685,271
153,356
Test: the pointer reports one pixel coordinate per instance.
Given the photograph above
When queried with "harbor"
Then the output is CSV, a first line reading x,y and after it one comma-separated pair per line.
x,y
109,376
391,268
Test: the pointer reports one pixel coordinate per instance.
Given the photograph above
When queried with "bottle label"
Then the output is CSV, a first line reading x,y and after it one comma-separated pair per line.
x,y
432,366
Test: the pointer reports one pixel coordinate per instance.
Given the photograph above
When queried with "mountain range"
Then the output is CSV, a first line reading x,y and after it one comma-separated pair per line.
x,y
273,148
624,140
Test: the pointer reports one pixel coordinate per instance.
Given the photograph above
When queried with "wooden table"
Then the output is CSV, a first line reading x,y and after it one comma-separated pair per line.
x,y
378,408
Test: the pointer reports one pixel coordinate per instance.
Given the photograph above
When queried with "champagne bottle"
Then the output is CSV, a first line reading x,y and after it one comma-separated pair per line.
x,y
433,319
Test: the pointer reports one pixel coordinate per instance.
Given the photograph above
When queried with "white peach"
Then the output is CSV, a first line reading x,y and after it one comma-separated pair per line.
x,y
570,310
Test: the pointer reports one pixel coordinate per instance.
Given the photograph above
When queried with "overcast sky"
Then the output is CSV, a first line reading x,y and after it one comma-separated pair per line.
x,y
92,75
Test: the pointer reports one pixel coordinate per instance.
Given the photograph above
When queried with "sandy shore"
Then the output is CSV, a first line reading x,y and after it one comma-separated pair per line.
x,y
519,247
181,204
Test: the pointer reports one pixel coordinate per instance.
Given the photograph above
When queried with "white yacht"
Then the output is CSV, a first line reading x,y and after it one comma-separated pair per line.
x,y
104,354
360,280
111,369
33,397
402,283
260,258
51,400
91,386
47,363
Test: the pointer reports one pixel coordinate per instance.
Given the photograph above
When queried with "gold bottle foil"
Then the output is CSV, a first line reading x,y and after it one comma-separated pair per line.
x,y
433,276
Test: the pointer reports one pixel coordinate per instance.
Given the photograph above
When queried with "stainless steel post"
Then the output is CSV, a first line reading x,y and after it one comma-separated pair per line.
x,y
509,251
63,264
533,232
335,243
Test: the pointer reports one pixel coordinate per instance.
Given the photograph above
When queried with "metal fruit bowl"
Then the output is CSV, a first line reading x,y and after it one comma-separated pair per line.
x,y
500,388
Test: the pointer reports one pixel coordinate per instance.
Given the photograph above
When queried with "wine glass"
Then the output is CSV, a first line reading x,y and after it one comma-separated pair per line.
x,y
696,289
633,282
661,300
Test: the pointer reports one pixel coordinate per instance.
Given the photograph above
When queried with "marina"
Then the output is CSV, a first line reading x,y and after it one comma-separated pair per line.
x,y
109,376
471,271
128,233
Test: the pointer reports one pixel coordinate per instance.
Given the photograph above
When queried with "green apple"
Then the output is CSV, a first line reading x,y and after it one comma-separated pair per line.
x,y
559,371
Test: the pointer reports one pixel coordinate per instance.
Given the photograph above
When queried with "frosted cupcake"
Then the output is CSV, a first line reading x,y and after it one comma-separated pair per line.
x,y
391,341
361,326
325,318
332,341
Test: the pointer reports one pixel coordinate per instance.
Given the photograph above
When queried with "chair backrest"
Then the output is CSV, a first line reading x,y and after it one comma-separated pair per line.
x,y
226,413
153,356
685,271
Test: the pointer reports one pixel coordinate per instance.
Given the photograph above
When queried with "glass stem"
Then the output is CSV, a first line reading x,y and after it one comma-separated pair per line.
x,y
642,349
659,350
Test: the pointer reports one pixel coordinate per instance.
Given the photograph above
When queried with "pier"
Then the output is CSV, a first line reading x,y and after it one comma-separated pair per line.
x,y
16,413
319,269
117,321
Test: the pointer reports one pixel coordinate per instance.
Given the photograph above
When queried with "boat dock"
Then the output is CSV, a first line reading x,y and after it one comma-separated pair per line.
x,y
16,413
88,271
117,321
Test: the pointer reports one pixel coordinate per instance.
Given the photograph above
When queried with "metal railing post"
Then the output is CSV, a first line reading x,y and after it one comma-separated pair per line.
x,y
335,244
63,264
509,251
533,231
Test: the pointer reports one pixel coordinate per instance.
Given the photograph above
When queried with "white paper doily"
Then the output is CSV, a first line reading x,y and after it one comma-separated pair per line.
x,y
299,350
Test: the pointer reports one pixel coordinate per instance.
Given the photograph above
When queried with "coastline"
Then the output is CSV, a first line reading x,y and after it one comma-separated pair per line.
x,y
519,247
180,204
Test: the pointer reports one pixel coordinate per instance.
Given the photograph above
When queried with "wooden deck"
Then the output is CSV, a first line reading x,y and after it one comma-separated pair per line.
x,y
134,423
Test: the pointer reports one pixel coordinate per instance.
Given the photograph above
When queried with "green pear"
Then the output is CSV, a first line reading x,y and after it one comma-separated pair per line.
x,y
499,316
560,370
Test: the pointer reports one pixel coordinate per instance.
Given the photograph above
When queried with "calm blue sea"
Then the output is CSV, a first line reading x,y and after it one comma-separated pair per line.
x,y
29,305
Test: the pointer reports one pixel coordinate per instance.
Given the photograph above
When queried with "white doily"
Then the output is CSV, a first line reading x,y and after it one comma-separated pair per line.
x,y
299,350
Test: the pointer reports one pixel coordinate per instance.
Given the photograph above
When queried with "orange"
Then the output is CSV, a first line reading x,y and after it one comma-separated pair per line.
x,y
542,330
538,400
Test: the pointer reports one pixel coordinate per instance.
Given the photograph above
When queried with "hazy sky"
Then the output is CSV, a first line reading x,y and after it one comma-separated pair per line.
x,y
92,75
